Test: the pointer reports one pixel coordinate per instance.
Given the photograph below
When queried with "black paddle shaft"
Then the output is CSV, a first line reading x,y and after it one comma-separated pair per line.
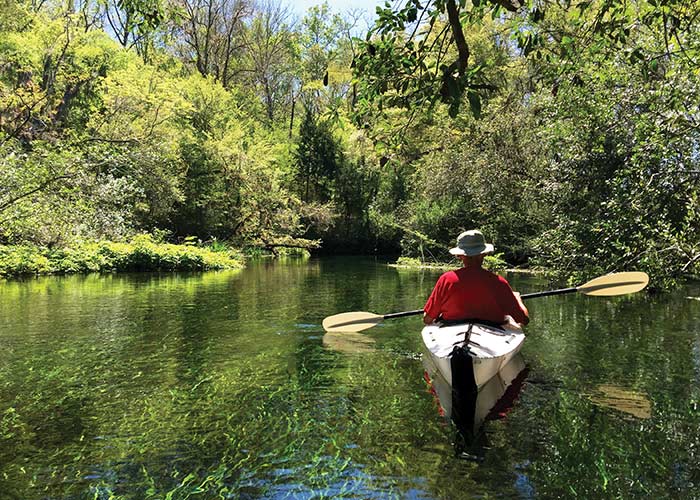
x,y
524,296
403,314
548,293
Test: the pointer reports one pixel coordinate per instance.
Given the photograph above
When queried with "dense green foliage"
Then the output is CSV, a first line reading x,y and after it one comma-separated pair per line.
x,y
141,253
580,153
100,143
567,132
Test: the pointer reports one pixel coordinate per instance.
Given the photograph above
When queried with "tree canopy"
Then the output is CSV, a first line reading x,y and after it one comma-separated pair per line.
x,y
567,131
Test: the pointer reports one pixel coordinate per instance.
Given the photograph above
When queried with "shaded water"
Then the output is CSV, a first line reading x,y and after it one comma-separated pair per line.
x,y
223,385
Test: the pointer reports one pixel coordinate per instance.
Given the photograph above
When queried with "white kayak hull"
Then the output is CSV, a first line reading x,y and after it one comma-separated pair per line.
x,y
485,364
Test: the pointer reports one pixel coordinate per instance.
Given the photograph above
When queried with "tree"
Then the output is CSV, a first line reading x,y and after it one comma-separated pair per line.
x,y
624,174
210,36
418,54
271,56
326,56
317,159
131,22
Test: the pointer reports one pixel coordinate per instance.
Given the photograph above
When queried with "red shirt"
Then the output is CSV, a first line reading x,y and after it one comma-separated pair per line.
x,y
473,293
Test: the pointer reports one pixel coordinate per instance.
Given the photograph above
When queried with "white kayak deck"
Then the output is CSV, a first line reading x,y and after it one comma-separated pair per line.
x,y
484,341
490,347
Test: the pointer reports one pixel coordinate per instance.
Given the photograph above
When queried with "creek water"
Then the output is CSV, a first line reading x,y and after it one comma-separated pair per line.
x,y
223,385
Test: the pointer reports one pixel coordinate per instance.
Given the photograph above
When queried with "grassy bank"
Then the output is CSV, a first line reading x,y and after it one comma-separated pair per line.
x,y
493,263
142,253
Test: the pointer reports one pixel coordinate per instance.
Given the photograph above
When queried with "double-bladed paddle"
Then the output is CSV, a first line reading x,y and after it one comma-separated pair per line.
x,y
603,286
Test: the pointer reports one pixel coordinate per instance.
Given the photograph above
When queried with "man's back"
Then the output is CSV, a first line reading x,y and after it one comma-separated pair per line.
x,y
473,293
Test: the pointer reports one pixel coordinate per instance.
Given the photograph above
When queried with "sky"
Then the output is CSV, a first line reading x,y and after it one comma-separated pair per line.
x,y
339,6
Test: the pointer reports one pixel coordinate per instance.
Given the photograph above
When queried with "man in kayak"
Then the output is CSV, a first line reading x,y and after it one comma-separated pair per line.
x,y
472,292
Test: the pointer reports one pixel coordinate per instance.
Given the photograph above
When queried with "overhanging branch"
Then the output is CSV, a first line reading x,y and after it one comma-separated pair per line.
x,y
41,187
458,35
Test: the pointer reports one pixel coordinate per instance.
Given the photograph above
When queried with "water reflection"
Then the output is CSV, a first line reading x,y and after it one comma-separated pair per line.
x,y
349,342
224,385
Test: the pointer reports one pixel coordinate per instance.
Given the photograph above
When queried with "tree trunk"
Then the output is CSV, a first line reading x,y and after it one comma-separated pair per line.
x,y
291,118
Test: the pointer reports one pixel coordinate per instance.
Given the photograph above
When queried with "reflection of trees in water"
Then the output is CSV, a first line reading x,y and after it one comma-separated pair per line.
x,y
613,340
586,448
615,363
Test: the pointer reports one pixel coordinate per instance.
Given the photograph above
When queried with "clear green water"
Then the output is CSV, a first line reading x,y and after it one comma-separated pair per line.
x,y
222,385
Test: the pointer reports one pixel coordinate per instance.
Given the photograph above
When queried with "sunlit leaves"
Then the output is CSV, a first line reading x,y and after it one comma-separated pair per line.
x,y
407,63
599,27
623,180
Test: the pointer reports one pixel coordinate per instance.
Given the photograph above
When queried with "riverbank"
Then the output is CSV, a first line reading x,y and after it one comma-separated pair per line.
x,y
491,262
141,253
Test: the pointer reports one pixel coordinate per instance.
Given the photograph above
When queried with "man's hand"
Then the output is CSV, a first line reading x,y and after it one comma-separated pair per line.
x,y
511,323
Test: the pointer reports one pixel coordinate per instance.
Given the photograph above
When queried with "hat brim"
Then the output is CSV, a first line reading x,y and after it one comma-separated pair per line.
x,y
473,251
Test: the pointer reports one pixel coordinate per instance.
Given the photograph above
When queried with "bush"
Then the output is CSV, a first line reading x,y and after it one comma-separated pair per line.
x,y
19,260
140,254
410,262
493,263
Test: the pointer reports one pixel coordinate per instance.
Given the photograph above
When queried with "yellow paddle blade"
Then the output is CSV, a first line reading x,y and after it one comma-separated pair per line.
x,y
351,321
615,284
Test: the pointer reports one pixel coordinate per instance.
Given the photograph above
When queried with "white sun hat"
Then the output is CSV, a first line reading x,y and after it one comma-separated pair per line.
x,y
471,243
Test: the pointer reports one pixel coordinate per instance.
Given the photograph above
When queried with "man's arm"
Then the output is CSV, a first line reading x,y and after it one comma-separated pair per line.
x,y
512,303
524,310
432,306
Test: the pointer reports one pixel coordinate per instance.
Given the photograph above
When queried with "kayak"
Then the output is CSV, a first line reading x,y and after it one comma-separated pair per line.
x,y
469,367
488,347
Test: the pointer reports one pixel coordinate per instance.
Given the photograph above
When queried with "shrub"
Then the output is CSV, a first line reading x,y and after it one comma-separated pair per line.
x,y
21,260
140,254
493,263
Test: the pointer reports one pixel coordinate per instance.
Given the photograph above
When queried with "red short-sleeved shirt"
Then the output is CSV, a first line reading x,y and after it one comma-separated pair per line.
x,y
473,293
